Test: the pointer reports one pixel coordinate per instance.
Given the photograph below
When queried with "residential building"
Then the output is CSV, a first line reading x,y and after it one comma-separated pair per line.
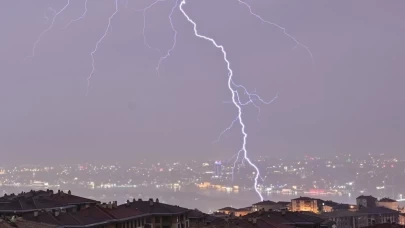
x,y
347,219
306,204
363,217
226,210
47,200
242,211
270,219
366,201
401,219
388,203
263,205
19,222
160,215
328,206
199,219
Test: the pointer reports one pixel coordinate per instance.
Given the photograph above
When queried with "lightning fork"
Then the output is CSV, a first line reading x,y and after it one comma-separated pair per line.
x,y
230,84
56,14
79,18
297,43
97,44
144,10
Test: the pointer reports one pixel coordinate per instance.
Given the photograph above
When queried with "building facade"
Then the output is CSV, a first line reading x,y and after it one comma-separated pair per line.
x,y
305,204
388,203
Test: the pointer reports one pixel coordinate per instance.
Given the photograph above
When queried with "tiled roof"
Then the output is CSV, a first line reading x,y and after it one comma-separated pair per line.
x,y
271,220
154,207
122,212
24,224
244,209
91,215
388,200
29,201
265,202
367,197
304,198
227,209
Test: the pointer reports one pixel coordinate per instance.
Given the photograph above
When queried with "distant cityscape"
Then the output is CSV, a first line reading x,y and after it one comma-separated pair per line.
x,y
338,177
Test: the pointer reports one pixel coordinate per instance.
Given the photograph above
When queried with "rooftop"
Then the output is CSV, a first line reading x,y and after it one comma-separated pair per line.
x,y
367,197
388,200
264,202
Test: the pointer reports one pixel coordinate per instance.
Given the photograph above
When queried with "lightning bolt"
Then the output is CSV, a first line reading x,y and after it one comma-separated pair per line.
x,y
96,47
79,18
162,57
56,14
234,96
144,10
237,90
297,43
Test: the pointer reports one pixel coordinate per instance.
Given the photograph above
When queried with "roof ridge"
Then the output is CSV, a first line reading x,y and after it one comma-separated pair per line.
x,y
35,205
75,218
54,218
105,212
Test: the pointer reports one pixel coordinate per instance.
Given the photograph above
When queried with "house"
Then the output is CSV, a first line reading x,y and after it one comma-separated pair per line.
x,y
138,213
328,206
200,219
347,219
366,201
388,203
345,207
242,211
363,217
401,219
287,219
160,214
19,222
263,205
306,204
28,202
226,210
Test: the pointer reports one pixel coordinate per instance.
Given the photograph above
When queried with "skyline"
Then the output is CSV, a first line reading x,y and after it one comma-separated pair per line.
x,y
351,103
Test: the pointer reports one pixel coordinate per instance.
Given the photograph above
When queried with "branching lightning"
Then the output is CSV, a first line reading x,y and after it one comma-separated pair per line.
x,y
97,44
234,97
144,10
79,18
162,57
297,43
240,95
56,14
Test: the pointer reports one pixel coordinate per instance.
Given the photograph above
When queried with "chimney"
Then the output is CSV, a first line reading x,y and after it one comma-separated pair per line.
x,y
58,191
133,200
157,200
69,192
128,202
150,201
35,213
109,205
104,205
115,204
139,200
